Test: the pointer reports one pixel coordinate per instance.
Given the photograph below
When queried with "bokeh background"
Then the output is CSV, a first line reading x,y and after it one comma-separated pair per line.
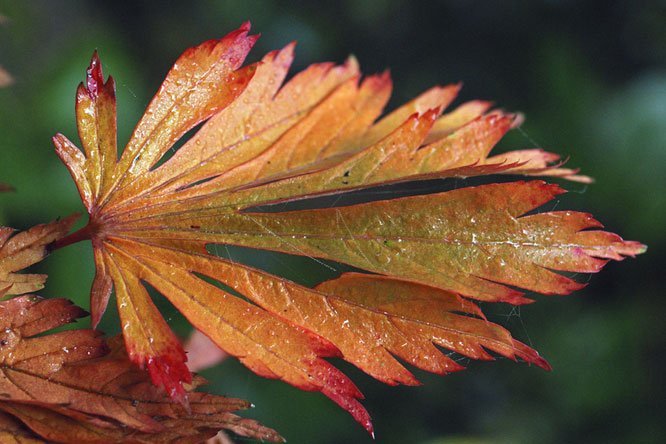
x,y
590,77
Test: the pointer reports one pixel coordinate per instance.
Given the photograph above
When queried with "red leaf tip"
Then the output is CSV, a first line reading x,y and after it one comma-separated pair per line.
x,y
94,75
170,372
543,363
517,120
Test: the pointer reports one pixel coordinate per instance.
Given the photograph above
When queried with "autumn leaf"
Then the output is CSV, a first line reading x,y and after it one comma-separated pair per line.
x,y
264,141
12,431
76,387
18,251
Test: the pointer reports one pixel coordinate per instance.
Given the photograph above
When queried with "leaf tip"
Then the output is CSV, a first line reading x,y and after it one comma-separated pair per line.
x,y
245,26
370,429
516,119
94,75
529,355
540,362
171,372
633,248
642,248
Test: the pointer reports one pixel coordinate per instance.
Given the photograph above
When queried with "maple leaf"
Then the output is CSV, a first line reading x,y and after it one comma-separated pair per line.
x,y
76,387
14,432
265,142
18,251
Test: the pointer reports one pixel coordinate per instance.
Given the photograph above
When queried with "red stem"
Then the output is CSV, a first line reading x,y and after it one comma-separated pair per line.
x,y
83,234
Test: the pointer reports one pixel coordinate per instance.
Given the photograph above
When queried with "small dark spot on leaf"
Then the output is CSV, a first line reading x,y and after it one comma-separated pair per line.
x,y
195,227
346,174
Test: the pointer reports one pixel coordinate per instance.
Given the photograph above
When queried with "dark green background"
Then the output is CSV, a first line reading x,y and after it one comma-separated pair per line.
x,y
591,80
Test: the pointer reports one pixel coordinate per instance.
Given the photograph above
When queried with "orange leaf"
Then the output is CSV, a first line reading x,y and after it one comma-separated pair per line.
x,y
18,251
318,134
468,241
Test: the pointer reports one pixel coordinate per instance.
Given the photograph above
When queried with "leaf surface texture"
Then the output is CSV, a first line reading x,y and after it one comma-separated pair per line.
x,y
264,141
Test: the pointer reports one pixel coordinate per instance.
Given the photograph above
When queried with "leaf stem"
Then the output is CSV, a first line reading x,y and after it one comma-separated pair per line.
x,y
83,234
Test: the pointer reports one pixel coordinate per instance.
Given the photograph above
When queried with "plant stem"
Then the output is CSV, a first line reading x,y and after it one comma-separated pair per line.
x,y
83,234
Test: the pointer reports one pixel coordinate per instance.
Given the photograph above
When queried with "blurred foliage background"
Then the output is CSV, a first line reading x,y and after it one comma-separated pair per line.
x,y
590,77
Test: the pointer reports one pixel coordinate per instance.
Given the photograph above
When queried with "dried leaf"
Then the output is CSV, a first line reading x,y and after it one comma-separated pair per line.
x,y
74,387
13,431
67,426
266,142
